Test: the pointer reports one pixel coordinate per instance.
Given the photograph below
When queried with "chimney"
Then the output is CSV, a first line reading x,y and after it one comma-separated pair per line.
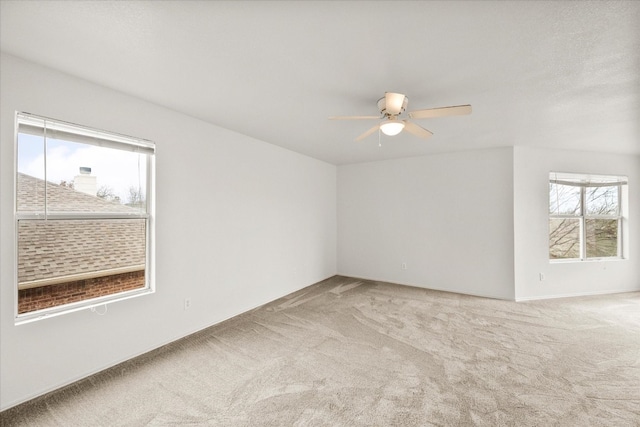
x,y
85,183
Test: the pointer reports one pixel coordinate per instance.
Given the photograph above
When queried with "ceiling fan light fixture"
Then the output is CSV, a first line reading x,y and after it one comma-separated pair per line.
x,y
392,127
392,105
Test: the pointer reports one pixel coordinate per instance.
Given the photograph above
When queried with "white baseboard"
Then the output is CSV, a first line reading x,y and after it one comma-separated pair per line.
x,y
455,291
578,294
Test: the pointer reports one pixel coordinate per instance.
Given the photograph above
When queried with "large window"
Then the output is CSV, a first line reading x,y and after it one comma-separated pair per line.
x,y
83,217
585,216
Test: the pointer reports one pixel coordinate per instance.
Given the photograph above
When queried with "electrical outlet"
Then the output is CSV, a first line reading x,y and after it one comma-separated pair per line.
x,y
404,265
541,277
187,303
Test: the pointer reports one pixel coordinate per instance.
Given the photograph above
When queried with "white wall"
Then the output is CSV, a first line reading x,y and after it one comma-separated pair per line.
x,y
449,217
531,201
239,223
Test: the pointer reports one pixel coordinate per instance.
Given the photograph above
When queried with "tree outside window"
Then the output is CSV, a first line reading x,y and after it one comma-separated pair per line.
x,y
584,216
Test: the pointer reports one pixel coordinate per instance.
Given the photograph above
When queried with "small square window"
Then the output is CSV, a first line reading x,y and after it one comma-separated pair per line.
x,y
564,238
585,216
601,237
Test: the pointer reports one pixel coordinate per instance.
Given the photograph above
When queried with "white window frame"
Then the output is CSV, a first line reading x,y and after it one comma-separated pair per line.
x,y
90,136
585,181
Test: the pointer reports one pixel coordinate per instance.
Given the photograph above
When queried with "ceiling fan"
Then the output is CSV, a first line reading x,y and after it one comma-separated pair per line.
x,y
391,107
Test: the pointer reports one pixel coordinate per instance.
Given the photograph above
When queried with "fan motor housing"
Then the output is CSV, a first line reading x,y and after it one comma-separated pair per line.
x,y
382,106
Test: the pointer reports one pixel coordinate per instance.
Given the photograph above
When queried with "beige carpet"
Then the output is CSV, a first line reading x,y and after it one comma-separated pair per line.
x,y
347,352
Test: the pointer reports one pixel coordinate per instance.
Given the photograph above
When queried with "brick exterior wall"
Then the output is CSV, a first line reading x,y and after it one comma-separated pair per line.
x,y
65,293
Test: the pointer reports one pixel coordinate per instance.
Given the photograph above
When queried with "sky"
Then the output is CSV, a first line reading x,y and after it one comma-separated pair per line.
x,y
113,168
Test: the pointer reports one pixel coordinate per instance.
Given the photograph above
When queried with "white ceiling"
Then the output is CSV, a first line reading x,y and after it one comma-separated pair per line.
x,y
548,74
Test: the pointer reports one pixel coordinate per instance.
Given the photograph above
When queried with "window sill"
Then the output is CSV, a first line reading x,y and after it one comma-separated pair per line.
x,y
33,316
587,260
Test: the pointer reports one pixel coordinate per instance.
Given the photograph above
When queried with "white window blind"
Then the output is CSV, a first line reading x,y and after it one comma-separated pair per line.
x,y
55,129
581,180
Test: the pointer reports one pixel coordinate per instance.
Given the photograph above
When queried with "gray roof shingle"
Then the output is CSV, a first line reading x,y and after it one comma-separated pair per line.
x,y
61,248
31,198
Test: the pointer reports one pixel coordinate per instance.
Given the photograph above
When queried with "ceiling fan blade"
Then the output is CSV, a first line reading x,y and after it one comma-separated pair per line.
x,y
367,133
353,117
393,103
456,110
416,130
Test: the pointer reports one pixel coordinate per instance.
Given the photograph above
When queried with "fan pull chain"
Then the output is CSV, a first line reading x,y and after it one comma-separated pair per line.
x,y
379,138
